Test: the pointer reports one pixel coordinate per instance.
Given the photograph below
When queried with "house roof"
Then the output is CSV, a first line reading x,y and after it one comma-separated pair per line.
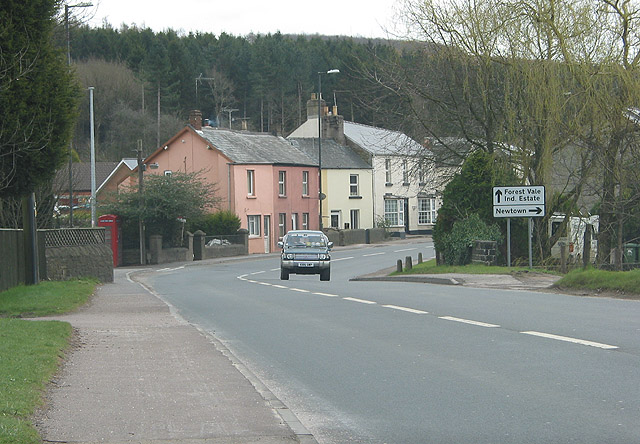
x,y
242,147
381,141
128,163
334,155
82,176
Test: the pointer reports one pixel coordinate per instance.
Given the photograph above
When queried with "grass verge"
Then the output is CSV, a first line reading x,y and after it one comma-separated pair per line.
x,y
45,299
627,282
31,351
430,267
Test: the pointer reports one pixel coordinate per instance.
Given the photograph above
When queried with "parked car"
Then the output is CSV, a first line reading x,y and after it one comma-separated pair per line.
x,y
305,252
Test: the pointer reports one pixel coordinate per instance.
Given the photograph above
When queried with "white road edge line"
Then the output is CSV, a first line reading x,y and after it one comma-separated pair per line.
x,y
362,301
275,269
405,249
300,290
410,310
373,254
257,272
568,339
467,321
342,259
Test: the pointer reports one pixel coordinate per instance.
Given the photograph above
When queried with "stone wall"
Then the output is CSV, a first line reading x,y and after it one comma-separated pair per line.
x,y
80,261
484,252
351,237
159,255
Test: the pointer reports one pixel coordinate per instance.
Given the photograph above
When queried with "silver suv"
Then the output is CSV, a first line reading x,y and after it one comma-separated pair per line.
x,y
305,252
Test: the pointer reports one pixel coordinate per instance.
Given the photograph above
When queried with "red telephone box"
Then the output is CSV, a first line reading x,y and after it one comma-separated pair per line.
x,y
113,235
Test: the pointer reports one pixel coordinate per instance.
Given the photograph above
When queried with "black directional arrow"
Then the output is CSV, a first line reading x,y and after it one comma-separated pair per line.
x,y
498,195
537,210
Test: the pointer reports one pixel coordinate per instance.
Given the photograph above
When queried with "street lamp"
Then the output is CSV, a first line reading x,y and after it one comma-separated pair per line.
x,y
66,26
93,161
331,71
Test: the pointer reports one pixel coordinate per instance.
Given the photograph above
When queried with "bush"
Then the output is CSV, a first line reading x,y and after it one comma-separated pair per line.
x,y
456,245
217,224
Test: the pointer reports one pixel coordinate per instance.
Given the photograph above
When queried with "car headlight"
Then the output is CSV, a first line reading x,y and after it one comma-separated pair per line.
x,y
323,257
288,256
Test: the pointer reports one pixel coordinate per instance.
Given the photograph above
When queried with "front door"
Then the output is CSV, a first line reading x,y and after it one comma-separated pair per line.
x,y
267,234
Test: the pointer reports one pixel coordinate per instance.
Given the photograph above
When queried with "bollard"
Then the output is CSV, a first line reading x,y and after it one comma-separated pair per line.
x,y
408,265
399,266
419,258
563,258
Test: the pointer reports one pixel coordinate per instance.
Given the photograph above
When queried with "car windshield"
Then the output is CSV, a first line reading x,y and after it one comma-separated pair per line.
x,y
305,241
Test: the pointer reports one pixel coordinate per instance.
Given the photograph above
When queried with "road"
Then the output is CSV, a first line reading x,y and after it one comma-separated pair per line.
x,y
395,362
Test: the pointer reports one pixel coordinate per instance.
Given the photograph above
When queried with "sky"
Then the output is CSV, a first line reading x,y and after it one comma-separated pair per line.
x,y
355,18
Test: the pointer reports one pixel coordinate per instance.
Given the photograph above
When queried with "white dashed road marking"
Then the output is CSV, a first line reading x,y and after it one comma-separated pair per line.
x,y
467,321
405,249
410,310
373,254
362,301
342,259
416,311
573,340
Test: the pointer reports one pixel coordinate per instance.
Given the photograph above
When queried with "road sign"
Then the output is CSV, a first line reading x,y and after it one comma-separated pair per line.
x,y
524,201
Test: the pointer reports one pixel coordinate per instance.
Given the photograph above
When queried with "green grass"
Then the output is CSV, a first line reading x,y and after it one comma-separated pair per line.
x,y
31,351
627,282
430,267
30,354
601,280
46,298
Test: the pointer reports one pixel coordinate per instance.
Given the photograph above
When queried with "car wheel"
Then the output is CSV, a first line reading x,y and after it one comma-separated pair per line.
x,y
325,275
284,274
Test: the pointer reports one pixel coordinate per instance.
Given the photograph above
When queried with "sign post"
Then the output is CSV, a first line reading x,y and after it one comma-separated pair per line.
x,y
521,201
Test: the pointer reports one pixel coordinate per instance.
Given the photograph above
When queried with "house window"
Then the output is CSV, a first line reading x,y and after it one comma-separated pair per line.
x,y
305,221
355,219
251,183
282,183
353,185
305,183
394,212
427,211
422,173
405,172
294,221
282,224
387,170
254,225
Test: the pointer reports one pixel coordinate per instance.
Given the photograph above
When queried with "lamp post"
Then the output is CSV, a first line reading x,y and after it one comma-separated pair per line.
x,y
66,26
93,161
320,196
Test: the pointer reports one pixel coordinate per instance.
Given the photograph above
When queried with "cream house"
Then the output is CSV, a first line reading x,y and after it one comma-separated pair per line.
x,y
347,183
405,183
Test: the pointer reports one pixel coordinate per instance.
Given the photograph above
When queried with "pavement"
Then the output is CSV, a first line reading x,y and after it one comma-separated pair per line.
x,y
139,373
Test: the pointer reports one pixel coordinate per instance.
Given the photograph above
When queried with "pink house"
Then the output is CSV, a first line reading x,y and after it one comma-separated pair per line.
x,y
271,185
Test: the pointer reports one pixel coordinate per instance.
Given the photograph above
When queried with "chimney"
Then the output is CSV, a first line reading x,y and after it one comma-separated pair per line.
x,y
195,119
312,106
333,128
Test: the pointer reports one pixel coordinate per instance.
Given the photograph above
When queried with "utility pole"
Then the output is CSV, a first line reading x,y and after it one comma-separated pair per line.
x,y
143,253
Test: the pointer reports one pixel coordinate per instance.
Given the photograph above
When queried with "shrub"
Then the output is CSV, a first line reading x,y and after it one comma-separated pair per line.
x,y
218,223
456,245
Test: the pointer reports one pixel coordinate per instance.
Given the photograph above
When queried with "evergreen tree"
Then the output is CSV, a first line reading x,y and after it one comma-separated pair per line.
x,y
38,97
